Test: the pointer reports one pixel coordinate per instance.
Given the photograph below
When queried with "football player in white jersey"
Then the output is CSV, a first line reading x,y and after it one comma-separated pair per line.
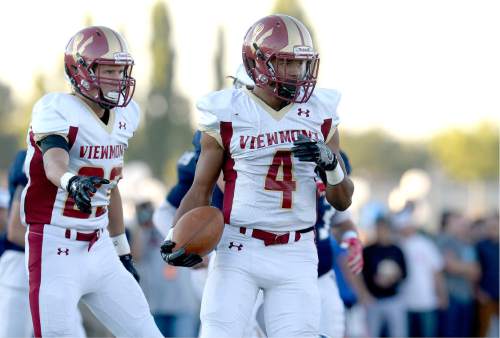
x,y
14,302
76,246
268,141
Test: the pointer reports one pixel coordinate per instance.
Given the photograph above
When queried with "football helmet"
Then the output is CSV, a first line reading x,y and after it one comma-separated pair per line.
x,y
273,42
94,46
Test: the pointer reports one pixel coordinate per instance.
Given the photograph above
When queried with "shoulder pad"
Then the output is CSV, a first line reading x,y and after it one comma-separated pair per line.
x,y
326,102
50,116
214,108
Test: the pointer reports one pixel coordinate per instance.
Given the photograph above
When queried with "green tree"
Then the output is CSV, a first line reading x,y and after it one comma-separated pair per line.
x,y
166,131
6,104
220,60
468,155
8,140
376,154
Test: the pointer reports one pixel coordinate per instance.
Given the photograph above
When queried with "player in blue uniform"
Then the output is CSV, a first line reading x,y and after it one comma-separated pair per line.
x,y
186,166
14,305
332,321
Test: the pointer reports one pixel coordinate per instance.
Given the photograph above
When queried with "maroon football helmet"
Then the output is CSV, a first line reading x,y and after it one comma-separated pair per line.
x,y
280,38
94,46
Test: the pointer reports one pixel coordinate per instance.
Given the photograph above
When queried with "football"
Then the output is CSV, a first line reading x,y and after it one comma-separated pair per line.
x,y
198,230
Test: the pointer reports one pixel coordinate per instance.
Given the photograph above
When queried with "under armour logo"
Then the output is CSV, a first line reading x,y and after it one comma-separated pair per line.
x,y
300,112
232,245
122,125
61,251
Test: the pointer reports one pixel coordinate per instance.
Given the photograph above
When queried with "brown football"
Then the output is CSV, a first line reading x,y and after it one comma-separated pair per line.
x,y
199,230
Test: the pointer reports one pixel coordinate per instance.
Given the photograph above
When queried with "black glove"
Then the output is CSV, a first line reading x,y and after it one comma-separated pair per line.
x,y
179,257
82,188
307,150
128,263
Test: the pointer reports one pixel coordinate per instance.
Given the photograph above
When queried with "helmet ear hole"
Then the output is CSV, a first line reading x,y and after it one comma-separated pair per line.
x,y
251,63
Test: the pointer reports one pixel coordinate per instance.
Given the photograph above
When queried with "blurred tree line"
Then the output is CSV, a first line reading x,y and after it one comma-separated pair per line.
x,y
166,130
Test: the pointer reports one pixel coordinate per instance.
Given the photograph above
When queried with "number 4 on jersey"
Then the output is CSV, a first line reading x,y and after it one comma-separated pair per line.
x,y
283,159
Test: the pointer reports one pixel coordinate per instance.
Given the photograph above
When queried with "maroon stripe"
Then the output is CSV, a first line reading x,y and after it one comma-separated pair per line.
x,y
73,131
35,240
230,175
325,128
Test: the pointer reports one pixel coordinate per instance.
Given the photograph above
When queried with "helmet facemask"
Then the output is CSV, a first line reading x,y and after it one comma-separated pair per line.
x,y
117,92
290,87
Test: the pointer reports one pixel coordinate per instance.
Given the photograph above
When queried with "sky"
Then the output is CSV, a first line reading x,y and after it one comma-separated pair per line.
x,y
412,68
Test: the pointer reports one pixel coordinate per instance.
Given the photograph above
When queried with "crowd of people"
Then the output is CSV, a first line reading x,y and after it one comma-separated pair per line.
x,y
414,284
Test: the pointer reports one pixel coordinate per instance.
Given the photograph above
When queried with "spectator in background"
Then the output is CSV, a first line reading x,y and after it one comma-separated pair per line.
x,y
384,270
424,289
4,205
461,272
167,288
487,293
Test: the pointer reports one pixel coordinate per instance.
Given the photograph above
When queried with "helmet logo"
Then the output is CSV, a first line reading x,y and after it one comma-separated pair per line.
x,y
77,41
262,38
257,30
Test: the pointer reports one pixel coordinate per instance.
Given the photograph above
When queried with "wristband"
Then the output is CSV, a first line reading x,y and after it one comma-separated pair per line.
x,y
349,234
64,181
335,176
121,244
170,234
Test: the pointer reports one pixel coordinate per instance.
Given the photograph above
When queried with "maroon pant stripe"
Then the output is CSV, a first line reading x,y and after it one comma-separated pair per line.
x,y
35,240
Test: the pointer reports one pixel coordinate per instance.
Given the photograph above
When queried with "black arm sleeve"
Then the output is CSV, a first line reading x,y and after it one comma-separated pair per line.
x,y
53,141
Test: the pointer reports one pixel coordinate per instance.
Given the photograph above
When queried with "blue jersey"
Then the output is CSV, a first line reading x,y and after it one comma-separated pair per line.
x,y
346,292
324,227
186,167
323,235
17,178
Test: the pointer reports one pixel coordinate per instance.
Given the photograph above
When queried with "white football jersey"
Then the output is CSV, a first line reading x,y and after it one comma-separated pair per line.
x,y
266,187
96,149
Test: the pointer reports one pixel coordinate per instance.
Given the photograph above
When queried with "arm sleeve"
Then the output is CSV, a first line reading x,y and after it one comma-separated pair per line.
x,y
53,141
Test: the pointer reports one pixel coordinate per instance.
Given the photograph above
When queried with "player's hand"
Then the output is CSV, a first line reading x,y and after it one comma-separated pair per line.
x,y
82,188
128,263
178,257
354,254
307,150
